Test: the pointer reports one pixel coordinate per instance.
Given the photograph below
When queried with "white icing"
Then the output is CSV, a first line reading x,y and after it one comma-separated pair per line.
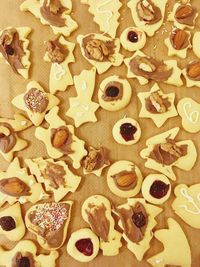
x,y
190,199
23,123
84,86
193,116
22,200
59,73
105,11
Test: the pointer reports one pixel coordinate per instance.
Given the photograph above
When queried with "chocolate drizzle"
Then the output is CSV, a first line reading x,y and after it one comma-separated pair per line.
x,y
56,51
7,142
55,173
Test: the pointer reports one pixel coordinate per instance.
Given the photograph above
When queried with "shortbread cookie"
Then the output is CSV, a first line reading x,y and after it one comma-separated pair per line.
x,y
54,13
114,93
148,14
176,247
49,222
145,68
56,176
36,102
183,16
156,188
126,131
14,49
100,51
19,123
106,14
124,179
163,153
195,44
133,38
192,73
137,219
95,161
178,43
83,245
60,140
187,204
17,185
25,254
189,110
157,106
96,211
60,53
11,223
82,109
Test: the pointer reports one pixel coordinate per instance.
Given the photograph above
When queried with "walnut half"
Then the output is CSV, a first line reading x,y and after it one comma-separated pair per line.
x,y
157,102
97,49
172,149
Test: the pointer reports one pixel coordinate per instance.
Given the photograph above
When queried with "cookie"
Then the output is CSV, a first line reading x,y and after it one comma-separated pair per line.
x,y
178,43
19,123
56,176
133,38
55,14
60,140
100,51
59,53
195,44
156,188
191,72
147,14
14,49
163,153
189,110
126,131
137,220
157,106
11,223
145,68
95,161
82,109
83,245
106,14
114,93
17,185
36,102
49,222
187,204
25,254
124,179
173,240
96,211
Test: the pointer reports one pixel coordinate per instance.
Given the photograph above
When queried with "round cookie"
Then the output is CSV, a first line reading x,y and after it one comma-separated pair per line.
x,y
124,179
133,38
126,131
83,245
156,188
114,93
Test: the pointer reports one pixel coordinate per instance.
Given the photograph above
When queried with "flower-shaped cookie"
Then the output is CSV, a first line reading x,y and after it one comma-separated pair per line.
x,y
36,102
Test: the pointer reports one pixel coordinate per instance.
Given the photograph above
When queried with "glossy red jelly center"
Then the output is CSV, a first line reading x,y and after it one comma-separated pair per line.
x,y
127,131
85,246
133,37
159,189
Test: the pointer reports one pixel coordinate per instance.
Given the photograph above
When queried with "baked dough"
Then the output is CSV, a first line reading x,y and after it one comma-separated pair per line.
x,y
190,82
19,123
120,167
82,109
35,117
176,247
195,44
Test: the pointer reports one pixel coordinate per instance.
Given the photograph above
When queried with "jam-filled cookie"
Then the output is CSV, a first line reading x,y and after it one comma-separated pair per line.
x,y
133,38
114,93
83,245
156,188
124,179
126,131
191,72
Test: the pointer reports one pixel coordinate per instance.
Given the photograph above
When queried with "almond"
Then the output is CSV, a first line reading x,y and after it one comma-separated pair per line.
x,y
184,12
193,70
14,187
60,137
126,179
179,39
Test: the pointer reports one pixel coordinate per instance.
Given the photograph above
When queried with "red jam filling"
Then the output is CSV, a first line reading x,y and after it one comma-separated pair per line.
x,y
85,246
112,91
133,37
127,131
159,189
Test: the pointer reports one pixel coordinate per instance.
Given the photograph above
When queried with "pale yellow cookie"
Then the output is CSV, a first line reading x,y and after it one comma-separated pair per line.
x,y
25,252
17,185
49,222
36,102
137,233
59,53
114,93
57,16
82,109
106,14
163,153
176,247
100,51
83,245
96,211
126,131
187,204
191,72
189,110
157,105
195,44
14,49
60,140
19,123
11,223
124,179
